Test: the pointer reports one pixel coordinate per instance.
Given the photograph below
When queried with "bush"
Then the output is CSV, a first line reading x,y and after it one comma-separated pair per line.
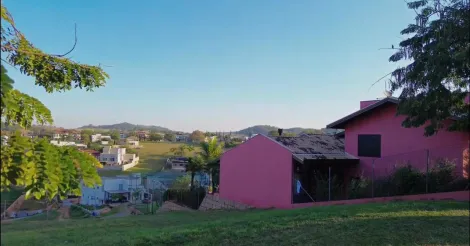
x,y
441,175
359,188
408,180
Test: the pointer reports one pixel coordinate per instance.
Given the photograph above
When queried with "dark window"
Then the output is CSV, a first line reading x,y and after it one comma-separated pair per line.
x,y
369,145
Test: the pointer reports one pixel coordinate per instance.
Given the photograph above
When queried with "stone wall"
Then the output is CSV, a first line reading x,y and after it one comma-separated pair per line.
x,y
213,201
169,206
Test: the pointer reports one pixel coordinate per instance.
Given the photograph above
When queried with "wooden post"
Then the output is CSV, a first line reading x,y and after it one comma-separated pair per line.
x,y
427,169
329,183
373,176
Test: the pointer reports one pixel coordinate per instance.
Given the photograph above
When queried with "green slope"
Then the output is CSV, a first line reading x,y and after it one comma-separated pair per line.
x,y
398,223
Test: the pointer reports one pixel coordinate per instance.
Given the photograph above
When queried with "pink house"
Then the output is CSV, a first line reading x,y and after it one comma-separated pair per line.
x,y
374,134
264,172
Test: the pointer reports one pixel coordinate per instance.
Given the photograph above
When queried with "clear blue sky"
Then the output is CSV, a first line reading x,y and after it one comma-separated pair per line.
x,y
215,65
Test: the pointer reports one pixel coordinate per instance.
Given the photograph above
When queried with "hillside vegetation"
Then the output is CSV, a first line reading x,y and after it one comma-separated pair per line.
x,y
396,223
126,127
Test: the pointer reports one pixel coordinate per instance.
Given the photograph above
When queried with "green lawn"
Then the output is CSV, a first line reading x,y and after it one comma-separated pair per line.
x,y
396,223
152,158
52,215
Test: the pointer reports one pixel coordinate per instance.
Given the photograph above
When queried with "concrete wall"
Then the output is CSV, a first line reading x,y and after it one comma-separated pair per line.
x,y
401,144
257,173
130,165
92,195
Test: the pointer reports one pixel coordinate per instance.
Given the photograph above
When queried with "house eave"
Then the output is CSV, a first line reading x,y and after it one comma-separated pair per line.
x,y
339,124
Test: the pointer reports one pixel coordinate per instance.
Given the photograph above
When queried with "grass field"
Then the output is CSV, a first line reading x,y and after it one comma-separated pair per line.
x,y
152,158
40,217
396,223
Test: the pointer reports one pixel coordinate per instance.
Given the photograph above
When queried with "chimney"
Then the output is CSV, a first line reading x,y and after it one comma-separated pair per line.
x,y
279,131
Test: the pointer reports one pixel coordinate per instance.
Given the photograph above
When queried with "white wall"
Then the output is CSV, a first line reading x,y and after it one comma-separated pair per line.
x,y
95,137
92,196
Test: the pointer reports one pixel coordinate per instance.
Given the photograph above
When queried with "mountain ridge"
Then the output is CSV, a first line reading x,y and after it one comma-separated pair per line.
x,y
125,126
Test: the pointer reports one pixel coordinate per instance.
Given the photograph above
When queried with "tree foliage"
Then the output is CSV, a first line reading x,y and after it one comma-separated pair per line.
x,y
182,150
115,135
195,164
436,81
211,150
171,137
44,170
197,136
182,183
155,137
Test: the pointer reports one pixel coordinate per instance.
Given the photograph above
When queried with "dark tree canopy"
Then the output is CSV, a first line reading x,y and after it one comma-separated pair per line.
x,y
436,81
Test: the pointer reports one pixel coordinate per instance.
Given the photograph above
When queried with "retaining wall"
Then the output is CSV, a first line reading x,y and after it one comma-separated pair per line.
x,y
450,196
213,201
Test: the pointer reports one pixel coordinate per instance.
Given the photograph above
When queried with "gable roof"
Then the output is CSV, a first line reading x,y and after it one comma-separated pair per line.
x,y
339,124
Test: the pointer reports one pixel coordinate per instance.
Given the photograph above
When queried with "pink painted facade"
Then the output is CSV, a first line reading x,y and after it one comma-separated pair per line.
x,y
400,145
257,173
363,104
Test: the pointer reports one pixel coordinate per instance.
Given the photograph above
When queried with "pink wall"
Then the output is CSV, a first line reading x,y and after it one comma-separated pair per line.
x,y
364,104
401,144
257,173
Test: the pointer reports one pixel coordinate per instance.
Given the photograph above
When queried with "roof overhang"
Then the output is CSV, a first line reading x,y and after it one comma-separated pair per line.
x,y
324,156
117,191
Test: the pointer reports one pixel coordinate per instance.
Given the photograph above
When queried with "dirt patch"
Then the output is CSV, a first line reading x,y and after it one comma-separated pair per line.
x,y
64,213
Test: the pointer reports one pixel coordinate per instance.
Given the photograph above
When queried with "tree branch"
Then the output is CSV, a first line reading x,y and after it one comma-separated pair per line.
x,y
9,64
74,44
379,80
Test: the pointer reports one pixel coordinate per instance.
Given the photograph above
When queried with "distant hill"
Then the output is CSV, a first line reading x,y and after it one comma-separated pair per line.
x,y
265,129
126,127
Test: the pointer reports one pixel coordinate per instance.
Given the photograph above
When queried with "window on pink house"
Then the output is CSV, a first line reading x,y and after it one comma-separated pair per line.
x,y
369,145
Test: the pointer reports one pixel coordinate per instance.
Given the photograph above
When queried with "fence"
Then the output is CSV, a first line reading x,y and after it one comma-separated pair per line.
x,y
442,169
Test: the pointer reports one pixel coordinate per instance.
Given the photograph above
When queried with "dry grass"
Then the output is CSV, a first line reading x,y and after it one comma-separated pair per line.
x,y
152,158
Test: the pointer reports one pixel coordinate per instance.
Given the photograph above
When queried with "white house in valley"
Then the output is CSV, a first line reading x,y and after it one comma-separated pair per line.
x,y
98,137
112,155
122,188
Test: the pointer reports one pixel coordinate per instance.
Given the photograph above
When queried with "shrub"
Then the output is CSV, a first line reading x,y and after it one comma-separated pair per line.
x,y
440,175
359,188
408,180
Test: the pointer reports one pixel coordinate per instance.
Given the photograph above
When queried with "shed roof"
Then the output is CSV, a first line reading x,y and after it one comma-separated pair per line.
x,y
315,147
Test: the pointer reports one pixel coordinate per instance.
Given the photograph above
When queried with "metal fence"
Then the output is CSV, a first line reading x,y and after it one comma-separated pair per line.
x,y
441,169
